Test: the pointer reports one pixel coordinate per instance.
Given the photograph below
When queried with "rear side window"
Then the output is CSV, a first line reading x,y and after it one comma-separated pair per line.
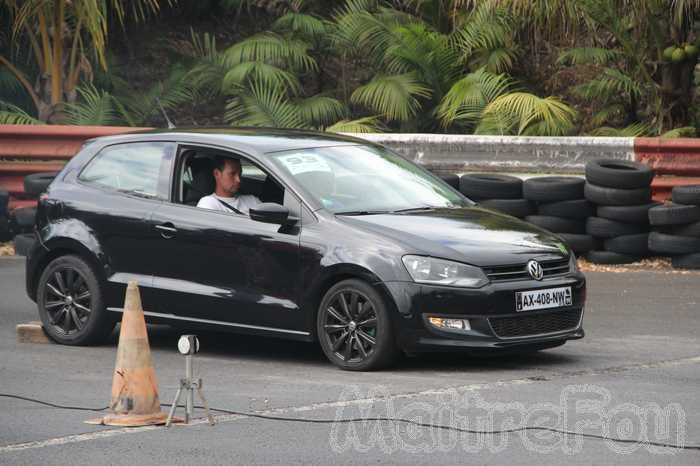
x,y
136,168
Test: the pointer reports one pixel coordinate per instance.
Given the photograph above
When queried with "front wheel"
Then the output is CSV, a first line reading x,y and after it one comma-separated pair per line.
x,y
71,307
354,328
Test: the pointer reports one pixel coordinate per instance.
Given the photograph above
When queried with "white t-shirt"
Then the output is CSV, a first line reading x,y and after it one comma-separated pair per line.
x,y
243,202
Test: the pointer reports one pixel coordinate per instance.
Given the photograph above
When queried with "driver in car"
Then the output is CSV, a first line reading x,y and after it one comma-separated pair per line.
x,y
227,174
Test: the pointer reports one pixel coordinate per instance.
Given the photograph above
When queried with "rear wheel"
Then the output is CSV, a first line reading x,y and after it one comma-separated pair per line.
x,y
70,302
354,328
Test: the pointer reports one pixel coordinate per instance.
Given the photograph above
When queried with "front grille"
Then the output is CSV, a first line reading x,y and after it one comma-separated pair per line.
x,y
551,268
539,324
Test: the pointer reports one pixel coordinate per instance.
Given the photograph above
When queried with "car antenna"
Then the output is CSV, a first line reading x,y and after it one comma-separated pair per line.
x,y
165,115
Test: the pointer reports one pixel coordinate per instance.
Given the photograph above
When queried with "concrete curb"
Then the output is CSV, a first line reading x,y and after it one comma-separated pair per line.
x,y
450,153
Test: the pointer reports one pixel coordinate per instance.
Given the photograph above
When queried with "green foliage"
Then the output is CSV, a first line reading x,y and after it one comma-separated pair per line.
x,y
139,108
634,130
684,132
370,124
467,98
320,110
526,114
242,73
274,49
95,107
13,115
458,66
610,84
394,97
300,23
263,105
587,56
485,39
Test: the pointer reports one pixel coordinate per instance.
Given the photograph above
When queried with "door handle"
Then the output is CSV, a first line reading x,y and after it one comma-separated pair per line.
x,y
167,230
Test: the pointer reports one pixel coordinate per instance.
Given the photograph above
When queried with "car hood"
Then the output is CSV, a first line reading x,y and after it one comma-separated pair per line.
x,y
472,235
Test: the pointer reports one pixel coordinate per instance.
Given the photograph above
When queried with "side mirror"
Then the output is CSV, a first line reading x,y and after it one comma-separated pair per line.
x,y
269,212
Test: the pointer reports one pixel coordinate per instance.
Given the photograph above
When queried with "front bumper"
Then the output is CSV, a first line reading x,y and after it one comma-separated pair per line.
x,y
491,313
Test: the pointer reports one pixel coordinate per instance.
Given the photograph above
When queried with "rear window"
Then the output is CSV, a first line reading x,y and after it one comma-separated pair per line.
x,y
132,168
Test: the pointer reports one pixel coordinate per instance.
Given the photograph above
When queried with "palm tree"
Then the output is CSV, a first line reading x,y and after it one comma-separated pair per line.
x,y
59,36
451,80
261,76
625,41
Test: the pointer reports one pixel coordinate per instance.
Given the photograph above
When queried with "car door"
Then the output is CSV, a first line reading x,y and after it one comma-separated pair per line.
x,y
224,268
119,189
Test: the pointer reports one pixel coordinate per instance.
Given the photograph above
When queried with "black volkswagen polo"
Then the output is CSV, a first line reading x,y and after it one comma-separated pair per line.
x,y
351,246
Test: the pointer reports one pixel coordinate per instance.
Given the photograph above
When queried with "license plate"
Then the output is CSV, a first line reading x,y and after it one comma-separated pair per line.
x,y
542,299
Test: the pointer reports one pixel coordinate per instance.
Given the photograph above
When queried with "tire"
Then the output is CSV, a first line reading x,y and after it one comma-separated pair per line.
x,y
602,195
686,194
627,214
574,209
609,257
5,230
451,179
25,217
620,174
97,324
687,261
479,186
520,208
553,188
382,354
673,244
4,200
674,214
604,228
24,243
36,183
557,224
579,243
633,245
692,229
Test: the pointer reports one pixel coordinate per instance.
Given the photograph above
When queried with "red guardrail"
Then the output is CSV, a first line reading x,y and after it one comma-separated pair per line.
x,y
676,162
26,149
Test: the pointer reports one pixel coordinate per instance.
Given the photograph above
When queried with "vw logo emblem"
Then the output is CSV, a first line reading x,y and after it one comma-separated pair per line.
x,y
535,270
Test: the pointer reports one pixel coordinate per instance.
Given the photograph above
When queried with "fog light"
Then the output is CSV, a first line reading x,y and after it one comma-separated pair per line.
x,y
450,324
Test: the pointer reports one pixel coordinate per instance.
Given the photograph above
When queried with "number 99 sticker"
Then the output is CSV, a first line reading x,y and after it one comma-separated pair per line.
x,y
302,163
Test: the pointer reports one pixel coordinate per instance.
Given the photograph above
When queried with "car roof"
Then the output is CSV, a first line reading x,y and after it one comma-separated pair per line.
x,y
262,140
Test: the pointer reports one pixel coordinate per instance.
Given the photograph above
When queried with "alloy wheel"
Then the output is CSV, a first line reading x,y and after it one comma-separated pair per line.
x,y
67,301
350,325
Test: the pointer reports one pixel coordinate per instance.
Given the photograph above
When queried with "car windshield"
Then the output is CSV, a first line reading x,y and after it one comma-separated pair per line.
x,y
365,179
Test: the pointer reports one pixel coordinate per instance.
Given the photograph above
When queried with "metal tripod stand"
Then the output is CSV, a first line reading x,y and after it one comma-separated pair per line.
x,y
187,387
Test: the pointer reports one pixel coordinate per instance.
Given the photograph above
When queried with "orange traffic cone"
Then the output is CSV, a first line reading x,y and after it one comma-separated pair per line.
x,y
135,399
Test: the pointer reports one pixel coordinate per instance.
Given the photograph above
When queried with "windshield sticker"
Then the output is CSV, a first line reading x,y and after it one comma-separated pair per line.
x,y
302,163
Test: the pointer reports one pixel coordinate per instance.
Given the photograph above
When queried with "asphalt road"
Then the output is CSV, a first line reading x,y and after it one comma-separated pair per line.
x,y
635,376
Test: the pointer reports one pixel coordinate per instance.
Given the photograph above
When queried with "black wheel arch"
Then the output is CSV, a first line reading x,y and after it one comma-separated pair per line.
x,y
337,274
55,248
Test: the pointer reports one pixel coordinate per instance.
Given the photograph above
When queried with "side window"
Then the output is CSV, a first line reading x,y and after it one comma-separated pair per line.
x,y
138,168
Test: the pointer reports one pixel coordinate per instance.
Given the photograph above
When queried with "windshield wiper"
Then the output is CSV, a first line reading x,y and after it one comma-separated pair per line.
x,y
413,209
364,212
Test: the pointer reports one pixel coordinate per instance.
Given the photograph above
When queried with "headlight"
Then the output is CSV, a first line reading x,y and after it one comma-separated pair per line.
x,y
573,264
443,272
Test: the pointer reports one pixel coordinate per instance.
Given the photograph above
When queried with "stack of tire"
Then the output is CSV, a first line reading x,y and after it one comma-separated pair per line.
x,y
554,203
503,193
23,219
561,209
677,228
5,232
450,178
621,191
